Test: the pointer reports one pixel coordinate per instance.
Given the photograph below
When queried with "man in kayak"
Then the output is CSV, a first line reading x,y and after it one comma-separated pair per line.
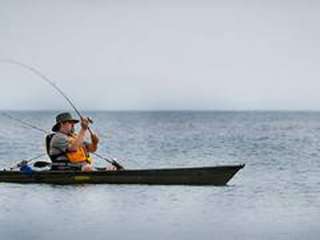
x,y
68,149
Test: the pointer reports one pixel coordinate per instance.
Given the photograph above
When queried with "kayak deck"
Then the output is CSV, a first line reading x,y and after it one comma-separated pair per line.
x,y
218,175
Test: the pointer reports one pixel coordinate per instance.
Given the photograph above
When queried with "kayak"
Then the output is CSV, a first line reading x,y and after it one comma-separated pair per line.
x,y
217,175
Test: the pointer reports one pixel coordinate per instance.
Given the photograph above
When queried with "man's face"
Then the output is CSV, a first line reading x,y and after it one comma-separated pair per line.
x,y
67,127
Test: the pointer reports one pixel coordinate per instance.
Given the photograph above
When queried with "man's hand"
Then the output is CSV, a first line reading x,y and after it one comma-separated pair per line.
x,y
94,139
84,123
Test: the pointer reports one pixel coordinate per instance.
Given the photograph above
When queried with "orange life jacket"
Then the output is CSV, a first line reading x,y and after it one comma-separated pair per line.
x,y
80,155
77,156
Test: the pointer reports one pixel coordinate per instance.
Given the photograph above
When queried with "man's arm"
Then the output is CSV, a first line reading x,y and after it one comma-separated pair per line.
x,y
77,143
93,146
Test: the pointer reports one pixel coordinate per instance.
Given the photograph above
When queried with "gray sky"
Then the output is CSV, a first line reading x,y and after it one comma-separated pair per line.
x,y
158,55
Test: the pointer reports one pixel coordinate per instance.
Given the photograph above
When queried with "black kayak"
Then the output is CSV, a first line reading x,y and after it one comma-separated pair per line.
x,y
218,175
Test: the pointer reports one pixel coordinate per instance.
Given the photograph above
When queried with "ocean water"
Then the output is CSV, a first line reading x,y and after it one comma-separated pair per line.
x,y
276,196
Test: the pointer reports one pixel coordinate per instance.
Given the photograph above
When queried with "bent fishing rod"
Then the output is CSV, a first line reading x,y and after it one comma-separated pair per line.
x,y
52,84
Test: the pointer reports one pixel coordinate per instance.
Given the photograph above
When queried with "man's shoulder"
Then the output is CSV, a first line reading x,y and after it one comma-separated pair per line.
x,y
58,137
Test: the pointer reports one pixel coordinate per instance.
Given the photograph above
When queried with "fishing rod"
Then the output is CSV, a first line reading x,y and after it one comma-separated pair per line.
x,y
42,164
25,162
43,77
24,123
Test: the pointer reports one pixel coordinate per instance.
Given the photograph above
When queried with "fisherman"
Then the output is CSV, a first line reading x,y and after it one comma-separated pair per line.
x,y
67,149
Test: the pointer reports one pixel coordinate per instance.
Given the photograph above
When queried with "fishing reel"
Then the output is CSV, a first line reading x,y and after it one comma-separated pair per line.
x,y
22,164
90,120
24,167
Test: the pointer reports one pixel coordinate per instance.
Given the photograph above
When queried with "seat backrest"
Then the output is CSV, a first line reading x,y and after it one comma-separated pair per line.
x,y
48,141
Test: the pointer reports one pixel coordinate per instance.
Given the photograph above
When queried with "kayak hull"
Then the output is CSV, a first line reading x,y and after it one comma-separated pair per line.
x,y
218,175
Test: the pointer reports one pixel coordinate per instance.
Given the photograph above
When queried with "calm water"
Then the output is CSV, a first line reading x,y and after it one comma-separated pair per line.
x,y
276,196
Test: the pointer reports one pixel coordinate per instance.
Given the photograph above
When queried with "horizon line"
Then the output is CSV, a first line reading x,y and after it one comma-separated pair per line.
x,y
161,110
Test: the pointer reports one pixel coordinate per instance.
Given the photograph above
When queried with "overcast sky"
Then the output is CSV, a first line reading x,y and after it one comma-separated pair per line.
x,y
161,55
